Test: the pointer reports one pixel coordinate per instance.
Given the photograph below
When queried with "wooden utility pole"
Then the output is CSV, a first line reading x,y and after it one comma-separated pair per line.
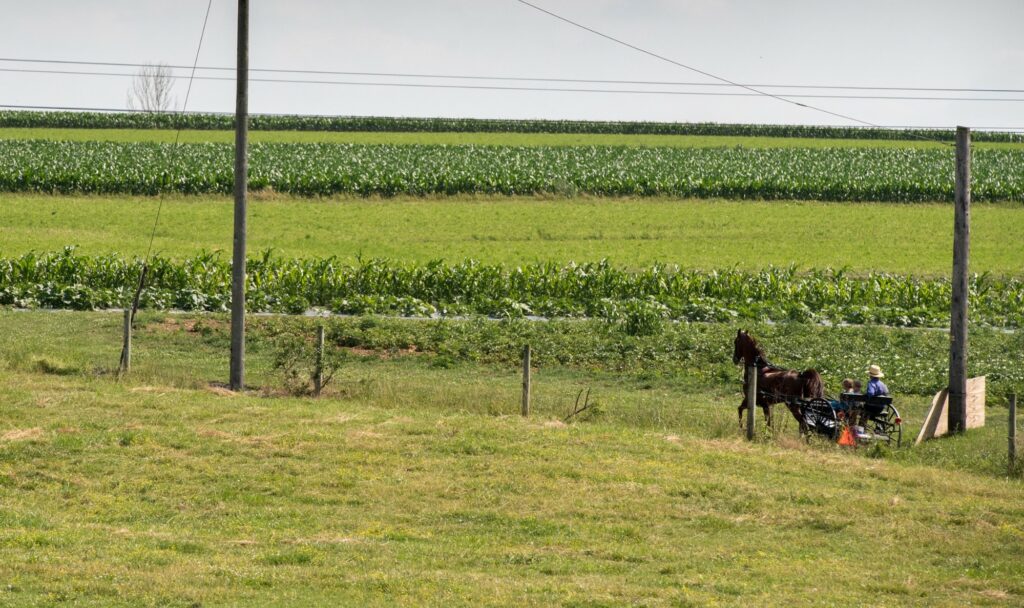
x,y
526,380
958,312
241,186
751,371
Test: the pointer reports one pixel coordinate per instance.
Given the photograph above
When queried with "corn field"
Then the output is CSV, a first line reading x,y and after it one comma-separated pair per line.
x,y
199,121
835,174
66,280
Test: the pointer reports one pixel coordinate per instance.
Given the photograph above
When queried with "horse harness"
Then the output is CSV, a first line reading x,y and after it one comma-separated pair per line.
x,y
760,362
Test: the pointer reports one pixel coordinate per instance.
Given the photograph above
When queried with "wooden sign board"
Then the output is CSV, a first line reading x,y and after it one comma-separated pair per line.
x,y
936,423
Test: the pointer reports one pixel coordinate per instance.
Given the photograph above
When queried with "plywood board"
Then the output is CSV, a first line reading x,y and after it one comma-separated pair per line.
x,y
976,402
936,413
936,423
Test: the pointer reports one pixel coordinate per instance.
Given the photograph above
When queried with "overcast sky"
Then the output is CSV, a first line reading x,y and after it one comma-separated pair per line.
x,y
886,43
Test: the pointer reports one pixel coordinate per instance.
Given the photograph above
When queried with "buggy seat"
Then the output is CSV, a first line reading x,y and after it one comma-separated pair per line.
x,y
873,406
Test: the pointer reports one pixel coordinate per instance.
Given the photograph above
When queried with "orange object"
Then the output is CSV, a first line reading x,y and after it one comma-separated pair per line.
x,y
847,438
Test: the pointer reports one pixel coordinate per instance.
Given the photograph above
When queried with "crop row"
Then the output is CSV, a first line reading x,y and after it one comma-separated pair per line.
x,y
267,122
842,174
641,298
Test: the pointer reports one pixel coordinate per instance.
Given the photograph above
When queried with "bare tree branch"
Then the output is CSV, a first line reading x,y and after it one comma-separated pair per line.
x,y
151,89
576,408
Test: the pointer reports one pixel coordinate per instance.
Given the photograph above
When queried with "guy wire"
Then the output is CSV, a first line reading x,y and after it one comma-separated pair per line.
x,y
160,203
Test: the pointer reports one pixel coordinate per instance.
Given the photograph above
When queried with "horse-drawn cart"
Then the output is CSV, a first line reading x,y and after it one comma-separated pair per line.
x,y
860,418
851,419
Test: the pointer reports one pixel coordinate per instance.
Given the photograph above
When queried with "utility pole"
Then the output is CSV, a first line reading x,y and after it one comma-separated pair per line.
x,y
241,186
958,312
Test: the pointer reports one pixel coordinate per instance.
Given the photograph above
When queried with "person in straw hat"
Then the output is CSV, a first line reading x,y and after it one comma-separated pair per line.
x,y
876,387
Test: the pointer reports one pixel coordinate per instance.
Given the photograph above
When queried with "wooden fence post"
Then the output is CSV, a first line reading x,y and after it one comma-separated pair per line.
x,y
318,372
1012,436
126,346
526,380
751,399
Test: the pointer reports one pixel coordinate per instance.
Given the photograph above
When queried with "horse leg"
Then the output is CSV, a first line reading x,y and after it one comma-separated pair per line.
x,y
795,410
742,407
768,414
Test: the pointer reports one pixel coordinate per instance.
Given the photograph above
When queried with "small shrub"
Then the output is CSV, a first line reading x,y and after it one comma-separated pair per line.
x,y
295,356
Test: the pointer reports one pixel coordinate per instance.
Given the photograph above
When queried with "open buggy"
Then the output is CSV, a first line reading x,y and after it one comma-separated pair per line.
x,y
853,418
866,418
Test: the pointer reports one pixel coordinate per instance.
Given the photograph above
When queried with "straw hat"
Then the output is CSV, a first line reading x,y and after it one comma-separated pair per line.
x,y
875,372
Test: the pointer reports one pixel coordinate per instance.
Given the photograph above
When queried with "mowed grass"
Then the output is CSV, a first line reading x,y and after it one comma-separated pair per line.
x,y
479,139
692,233
411,484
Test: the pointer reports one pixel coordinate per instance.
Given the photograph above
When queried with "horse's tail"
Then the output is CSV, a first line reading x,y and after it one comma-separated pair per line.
x,y
811,384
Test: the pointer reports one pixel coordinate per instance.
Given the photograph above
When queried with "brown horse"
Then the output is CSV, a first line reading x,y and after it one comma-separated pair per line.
x,y
774,384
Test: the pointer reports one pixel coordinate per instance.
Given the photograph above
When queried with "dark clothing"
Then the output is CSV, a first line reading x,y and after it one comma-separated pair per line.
x,y
876,388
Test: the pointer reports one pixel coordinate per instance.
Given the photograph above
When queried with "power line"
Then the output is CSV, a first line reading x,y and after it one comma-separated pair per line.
x,y
418,85
715,76
691,68
130,313
177,134
222,113
519,78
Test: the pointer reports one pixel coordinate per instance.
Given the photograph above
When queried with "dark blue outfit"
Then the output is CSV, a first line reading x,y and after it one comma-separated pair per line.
x,y
876,388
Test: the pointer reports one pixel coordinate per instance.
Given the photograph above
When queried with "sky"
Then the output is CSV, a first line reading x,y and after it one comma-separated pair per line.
x,y
874,43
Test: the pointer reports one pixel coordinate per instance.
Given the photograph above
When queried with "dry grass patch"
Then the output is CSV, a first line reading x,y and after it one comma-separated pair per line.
x,y
220,390
32,434
250,440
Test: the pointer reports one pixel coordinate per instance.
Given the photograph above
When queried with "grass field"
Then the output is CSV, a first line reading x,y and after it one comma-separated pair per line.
x,y
413,483
487,139
694,234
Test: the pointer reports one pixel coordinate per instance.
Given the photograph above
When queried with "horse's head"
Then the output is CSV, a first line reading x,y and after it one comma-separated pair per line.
x,y
745,348
738,346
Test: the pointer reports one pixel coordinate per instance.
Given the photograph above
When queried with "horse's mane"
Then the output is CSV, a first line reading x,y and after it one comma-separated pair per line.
x,y
759,352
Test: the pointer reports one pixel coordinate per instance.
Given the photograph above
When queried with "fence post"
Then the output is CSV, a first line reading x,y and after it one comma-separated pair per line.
x,y
126,346
318,372
751,382
1012,435
526,380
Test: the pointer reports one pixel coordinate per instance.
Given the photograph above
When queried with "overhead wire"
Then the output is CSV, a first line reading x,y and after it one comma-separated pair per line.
x,y
160,203
184,106
542,89
510,78
691,68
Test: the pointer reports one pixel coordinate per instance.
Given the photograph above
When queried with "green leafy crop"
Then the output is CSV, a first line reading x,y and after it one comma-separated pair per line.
x,y
264,122
640,300
837,174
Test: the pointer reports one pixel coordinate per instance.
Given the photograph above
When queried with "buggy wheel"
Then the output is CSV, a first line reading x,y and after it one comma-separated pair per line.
x,y
820,418
889,425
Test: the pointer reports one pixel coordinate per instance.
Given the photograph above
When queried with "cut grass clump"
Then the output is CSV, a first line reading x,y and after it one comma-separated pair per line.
x,y
52,367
